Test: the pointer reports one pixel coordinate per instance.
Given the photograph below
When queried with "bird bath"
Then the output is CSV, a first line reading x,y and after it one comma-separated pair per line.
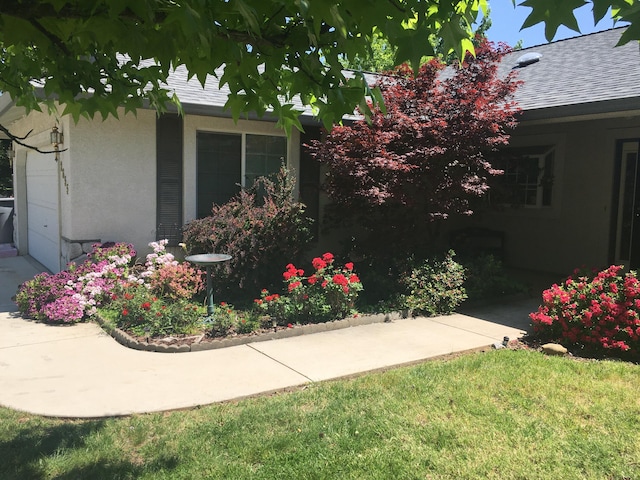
x,y
208,260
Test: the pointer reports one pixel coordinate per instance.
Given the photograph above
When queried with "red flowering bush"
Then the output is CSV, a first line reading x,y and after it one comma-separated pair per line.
x,y
329,293
597,314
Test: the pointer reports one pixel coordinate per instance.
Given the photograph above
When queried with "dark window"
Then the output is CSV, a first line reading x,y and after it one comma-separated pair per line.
x,y
527,179
220,168
219,159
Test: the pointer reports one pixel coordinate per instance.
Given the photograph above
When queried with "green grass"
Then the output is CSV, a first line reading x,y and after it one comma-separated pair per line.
x,y
496,415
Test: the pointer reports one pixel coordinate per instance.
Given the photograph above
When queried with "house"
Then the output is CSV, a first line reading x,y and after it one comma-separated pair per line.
x,y
139,178
579,133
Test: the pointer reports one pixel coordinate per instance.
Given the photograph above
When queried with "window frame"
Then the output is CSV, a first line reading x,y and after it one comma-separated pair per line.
x,y
243,153
546,155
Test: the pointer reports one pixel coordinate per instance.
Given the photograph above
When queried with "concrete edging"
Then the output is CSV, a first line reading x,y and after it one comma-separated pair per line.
x,y
130,342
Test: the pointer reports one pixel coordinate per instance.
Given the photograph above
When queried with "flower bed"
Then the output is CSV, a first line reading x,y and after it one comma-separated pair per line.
x,y
156,303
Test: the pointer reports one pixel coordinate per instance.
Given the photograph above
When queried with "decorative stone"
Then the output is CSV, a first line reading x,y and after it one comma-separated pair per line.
x,y
200,347
553,349
80,259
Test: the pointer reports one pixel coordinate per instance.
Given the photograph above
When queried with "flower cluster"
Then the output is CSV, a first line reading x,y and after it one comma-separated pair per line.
x,y
73,294
597,313
329,293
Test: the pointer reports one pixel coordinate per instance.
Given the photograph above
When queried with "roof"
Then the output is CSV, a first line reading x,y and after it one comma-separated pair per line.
x,y
586,75
211,99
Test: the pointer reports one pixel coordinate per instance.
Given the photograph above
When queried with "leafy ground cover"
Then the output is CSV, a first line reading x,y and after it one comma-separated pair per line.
x,y
500,415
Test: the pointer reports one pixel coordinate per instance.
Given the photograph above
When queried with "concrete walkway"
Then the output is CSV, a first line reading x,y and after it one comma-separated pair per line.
x,y
79,371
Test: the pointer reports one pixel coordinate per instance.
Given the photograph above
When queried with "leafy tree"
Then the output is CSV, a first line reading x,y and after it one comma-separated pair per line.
x,y
424,158
554,13
381,55
266,51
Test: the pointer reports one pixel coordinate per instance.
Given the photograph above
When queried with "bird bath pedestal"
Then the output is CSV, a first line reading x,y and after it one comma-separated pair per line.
x,y
208,260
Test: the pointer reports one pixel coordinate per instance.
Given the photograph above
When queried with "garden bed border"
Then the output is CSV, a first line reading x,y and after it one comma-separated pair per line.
x,y
129,341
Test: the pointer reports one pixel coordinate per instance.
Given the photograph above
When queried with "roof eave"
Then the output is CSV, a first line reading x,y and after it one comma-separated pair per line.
x,y
617,108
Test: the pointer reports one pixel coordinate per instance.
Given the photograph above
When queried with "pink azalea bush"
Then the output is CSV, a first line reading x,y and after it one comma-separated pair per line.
x,y
328,293
596,313
74,294
108,274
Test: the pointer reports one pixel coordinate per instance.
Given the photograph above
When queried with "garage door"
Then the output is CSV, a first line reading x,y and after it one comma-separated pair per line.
x,y
42,210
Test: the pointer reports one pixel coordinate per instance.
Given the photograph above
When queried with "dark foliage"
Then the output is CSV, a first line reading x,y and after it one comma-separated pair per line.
x,y
425,157
262,228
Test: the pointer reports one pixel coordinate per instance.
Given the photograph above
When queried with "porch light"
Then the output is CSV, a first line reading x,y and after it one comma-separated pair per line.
x,y
56,137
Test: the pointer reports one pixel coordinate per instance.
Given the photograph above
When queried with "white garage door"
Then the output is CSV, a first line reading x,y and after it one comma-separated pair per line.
x,y
42,206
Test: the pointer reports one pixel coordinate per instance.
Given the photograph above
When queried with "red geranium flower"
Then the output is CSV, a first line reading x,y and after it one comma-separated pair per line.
x,y
340,279
348,266
318,263
146,306
327,257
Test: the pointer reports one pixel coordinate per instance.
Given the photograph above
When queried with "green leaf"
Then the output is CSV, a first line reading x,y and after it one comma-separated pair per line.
x,y
553,14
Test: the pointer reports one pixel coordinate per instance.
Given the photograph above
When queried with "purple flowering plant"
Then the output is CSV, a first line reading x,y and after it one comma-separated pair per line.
x,y
74,294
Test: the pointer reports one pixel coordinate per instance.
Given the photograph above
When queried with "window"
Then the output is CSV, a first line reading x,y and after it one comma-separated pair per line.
x,y
226,162
528,177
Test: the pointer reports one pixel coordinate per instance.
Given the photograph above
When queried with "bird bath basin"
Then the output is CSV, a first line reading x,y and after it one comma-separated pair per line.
x,y
208,260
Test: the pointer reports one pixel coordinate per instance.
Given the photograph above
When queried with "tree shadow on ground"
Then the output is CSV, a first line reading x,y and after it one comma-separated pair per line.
x,y
512,313
23,455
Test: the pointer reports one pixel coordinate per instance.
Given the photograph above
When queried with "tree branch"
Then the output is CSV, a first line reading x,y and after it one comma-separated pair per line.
x,y
19,140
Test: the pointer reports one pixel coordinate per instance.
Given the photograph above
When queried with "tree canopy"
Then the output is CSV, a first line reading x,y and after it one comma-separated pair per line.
x,y
95,56
266,51
424,158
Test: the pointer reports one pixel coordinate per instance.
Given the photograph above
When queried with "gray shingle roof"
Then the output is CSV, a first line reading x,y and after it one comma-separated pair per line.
x,y
578,76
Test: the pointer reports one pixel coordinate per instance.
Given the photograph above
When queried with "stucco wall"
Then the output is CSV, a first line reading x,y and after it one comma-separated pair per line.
x,y
112,186
576,230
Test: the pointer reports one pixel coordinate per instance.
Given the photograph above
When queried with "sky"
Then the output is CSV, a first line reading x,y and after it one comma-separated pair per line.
x,y
507,20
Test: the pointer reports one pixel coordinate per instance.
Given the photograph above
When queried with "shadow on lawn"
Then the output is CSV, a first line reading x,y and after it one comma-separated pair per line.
x,y
22,457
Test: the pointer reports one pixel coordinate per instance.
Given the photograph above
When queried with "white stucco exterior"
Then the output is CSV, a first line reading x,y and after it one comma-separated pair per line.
x,y
110,170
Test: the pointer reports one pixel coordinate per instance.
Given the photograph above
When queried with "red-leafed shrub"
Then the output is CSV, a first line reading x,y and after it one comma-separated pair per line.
x,y
597,314
262,228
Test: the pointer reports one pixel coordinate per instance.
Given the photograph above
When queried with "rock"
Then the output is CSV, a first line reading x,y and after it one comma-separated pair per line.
x,y
498,346
553,349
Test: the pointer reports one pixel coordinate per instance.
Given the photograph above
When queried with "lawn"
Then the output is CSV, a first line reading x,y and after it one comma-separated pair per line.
x,y
501,414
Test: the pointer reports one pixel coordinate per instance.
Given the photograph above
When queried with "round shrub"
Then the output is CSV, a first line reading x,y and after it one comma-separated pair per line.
x,y
596,314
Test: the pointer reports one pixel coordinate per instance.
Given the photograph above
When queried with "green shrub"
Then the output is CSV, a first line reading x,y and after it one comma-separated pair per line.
x,y
487,278
262,228
435,287
229,321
